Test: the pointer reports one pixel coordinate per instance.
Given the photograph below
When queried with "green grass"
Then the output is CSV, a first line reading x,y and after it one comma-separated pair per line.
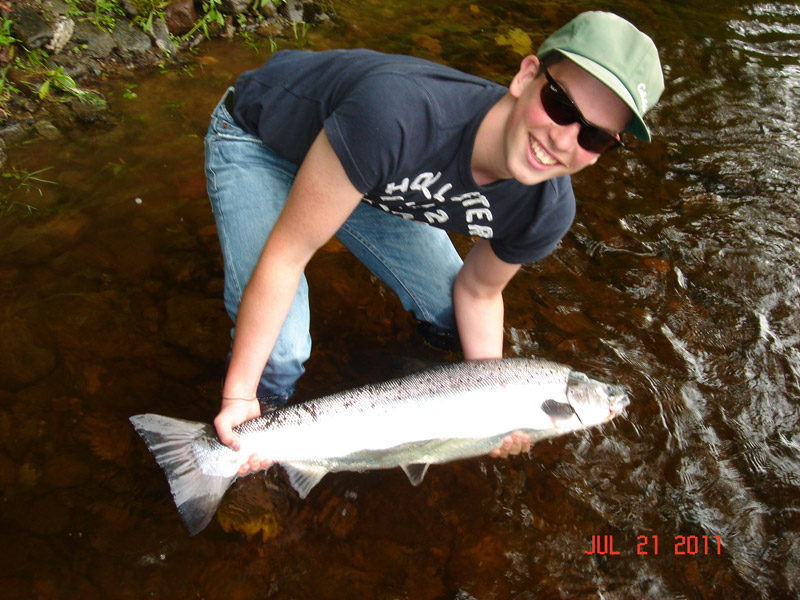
x,y
21,179
32,69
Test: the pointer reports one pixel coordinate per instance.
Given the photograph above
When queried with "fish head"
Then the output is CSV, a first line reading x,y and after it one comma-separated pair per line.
x,y
594,402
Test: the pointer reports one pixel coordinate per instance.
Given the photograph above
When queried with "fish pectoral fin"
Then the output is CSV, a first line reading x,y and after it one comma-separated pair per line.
x,y
416,472
304,477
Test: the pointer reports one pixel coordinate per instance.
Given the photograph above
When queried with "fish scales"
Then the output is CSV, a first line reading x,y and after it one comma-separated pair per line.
x,y
434,384
441,414
429,405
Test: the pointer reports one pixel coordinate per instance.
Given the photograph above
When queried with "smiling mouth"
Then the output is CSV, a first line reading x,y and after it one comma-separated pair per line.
x,y
540,154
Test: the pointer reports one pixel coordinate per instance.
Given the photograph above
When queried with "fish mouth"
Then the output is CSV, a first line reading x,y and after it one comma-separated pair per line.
x,y
618,400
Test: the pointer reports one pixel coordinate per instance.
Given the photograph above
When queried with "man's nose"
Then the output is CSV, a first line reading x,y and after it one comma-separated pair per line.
x,y
565,136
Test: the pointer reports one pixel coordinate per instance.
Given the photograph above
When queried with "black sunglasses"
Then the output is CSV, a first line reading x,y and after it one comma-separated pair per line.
x,y
563,111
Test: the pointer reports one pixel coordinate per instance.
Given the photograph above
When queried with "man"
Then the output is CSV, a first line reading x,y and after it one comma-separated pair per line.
x,y
388,153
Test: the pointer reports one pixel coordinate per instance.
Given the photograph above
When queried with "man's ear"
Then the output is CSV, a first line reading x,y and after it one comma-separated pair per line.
x,y
527,71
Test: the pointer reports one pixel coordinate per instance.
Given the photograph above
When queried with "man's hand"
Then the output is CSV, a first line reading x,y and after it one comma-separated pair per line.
x,y
236,411
513,444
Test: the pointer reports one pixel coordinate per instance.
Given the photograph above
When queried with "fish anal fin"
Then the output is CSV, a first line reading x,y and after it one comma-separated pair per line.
x,y
304,477
415,472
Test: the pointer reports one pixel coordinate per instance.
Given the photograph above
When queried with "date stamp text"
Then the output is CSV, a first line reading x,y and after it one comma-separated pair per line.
x,y
679,545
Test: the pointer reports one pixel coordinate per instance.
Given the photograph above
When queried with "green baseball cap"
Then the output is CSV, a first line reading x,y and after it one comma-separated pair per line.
x,y
619,55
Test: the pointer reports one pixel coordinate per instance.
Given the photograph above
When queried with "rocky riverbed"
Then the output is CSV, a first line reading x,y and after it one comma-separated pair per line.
x,y
59,44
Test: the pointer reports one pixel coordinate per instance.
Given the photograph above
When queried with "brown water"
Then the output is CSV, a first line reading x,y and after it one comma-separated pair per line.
x,y
679,280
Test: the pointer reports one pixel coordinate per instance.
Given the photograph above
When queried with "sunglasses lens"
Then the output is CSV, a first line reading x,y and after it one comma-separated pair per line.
x,y
558,106
562,111
596,140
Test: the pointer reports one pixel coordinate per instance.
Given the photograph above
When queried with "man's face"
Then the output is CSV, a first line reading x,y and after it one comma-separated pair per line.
x,y
537,148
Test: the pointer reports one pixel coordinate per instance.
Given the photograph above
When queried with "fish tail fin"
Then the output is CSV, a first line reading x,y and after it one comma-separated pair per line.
x,y
197,495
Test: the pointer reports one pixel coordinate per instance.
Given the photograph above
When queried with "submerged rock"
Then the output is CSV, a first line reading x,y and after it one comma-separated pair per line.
x,y
47,130
8,472
90,112
22,360
197,324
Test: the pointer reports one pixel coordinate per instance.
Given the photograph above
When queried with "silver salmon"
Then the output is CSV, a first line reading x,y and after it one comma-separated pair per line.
x,y
441,414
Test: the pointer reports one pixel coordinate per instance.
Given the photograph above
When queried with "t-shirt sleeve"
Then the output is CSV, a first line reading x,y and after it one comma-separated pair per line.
x,y
383,123
542,233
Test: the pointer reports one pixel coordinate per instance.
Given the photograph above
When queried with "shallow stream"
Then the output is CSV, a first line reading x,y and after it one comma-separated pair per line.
x,y
679,280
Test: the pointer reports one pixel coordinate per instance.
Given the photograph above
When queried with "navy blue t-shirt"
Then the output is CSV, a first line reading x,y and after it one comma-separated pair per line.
x,y
404,129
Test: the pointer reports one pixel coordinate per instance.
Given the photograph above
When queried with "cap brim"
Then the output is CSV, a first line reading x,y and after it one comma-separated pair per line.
x,y
637,125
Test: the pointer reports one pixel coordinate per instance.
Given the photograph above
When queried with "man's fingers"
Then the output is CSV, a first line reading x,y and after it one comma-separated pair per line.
x,y
502,451
513,444
521,442
253,465
226,435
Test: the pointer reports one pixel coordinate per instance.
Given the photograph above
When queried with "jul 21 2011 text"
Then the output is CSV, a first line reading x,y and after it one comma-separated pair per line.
x,y
649,545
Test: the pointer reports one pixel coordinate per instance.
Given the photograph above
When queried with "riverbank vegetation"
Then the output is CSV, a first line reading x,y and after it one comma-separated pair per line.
x,y
53,51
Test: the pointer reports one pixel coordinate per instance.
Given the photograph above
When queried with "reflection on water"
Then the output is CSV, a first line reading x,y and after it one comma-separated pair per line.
x,y
677,280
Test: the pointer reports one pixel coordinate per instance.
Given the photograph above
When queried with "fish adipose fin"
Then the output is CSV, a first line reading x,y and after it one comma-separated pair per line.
x,y
304,477
416,472
196,494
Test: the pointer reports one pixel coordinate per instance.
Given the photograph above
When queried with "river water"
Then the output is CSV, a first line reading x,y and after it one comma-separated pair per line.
x,y
678,280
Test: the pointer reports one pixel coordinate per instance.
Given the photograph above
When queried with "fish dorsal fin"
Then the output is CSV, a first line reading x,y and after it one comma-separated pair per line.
x,y
304,477
416,472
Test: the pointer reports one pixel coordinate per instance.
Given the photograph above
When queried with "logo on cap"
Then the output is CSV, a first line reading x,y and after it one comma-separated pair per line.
x,y
642,88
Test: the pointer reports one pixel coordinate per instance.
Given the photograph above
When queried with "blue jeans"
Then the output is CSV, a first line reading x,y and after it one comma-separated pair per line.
x,y
248,185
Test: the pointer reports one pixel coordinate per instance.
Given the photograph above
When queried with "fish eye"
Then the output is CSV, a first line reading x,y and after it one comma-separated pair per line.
x,y
557,410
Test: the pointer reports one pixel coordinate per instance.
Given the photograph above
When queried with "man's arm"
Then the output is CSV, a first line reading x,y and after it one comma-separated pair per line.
x,y
478,298
321,199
